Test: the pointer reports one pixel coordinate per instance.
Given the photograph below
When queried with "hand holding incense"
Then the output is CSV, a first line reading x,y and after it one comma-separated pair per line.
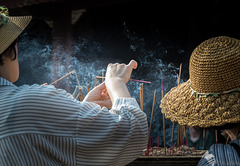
x,y
117,75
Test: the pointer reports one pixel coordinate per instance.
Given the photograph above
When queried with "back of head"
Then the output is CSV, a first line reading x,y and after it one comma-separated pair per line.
x,y
10,28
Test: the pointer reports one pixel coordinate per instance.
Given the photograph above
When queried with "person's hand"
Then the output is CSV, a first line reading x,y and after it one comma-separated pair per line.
x,y
116,78
99,96
120,71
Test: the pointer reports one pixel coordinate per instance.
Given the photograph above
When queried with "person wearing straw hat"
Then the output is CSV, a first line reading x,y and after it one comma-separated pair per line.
x,y
211,97
42,125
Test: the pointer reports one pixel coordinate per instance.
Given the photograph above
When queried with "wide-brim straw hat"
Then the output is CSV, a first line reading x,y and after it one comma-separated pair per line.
x,y
211,96
11,29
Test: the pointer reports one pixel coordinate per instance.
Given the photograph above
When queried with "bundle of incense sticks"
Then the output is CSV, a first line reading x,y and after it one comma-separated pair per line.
x,y
148,82
74,71
80,95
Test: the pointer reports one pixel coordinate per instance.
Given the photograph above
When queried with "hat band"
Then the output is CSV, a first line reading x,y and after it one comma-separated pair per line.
x,y
3,15
215,94
3,19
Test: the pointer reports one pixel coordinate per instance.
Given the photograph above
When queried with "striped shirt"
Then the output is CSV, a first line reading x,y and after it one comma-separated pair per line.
x,y
221,155
45,126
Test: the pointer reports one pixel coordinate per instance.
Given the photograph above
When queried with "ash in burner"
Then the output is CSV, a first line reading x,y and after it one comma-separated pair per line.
x,y
182,150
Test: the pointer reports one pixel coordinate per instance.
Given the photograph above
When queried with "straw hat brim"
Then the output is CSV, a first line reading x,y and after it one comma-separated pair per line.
x,y
11,30
179,105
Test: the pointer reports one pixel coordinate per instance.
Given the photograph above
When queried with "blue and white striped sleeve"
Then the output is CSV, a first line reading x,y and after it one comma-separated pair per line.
x,y
114,137
221,155
42,125
207,160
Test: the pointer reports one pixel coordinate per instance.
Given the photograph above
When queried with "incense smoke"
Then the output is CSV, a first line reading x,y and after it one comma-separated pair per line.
x,y
89,58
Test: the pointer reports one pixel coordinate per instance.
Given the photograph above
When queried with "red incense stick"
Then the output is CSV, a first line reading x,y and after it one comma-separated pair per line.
x,y
203,137
164,137
216,136
148,82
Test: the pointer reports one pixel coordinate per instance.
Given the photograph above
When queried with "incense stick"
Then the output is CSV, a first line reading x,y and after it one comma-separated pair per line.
x,y
88,88
227,139
148,82
203,137
103,77
95,81
184,131
77,78
179,75
152,114
77,96
172,134
140,92
216,137
74,71
141,97
179,133
62,77
82,97
164,137
187,136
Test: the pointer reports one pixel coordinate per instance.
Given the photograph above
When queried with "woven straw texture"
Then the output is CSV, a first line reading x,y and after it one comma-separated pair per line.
x,y
11,30
214,67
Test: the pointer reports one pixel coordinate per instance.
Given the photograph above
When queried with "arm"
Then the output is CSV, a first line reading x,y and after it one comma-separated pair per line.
x,y
118,136
59,127
114,86
116,78
73,132
114,137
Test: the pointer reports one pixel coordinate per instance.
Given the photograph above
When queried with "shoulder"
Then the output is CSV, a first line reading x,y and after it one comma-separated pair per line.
x,y
41,90
46,97
38,91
